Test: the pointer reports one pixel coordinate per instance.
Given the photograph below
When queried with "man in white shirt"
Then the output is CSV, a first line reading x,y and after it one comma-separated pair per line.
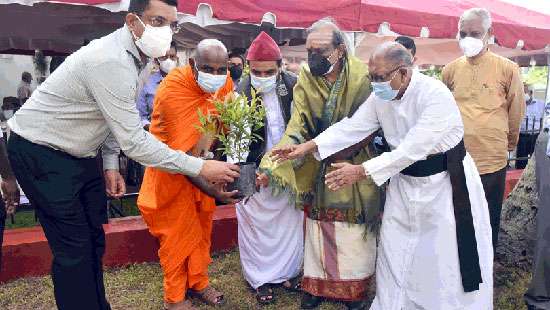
x,y
530,127
86,104
435,249
271,239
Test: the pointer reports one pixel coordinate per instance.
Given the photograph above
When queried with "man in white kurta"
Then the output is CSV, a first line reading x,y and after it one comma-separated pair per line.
x,y
270,228
418,261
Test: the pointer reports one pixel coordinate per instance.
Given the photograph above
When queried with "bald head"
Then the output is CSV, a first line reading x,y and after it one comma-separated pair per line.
x,y
210,49
390,62
393,54
211,57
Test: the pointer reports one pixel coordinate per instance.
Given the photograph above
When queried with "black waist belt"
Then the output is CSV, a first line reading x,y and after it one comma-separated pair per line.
x,y
434,164
452,161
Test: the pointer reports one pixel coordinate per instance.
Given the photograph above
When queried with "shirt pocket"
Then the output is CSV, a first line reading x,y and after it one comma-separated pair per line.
x,y
491,96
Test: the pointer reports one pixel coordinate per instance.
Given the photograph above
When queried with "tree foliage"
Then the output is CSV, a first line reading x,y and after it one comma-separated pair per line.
x,y
234,123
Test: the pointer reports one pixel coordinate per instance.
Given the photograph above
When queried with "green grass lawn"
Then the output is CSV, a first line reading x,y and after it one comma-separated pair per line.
x,y
140,287
21,219
25,218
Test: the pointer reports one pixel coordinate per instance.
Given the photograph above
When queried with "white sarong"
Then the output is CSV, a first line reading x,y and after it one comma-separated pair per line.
x,y
271,238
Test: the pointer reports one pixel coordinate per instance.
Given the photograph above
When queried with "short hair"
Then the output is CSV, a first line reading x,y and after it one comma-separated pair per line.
x,y
26,76
139,6
407,42
337,34
279,62
473,13
394,53
237,55
174,45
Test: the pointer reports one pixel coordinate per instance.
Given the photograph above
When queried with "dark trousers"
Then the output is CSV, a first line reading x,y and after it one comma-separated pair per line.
x,y
526,147
68,195
493,185
2,226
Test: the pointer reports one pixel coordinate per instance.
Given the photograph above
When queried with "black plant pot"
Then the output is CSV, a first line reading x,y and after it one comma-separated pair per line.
x,y
246,182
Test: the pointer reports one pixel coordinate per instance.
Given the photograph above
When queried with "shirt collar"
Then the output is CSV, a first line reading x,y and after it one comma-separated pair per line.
x,y
481,59
127,39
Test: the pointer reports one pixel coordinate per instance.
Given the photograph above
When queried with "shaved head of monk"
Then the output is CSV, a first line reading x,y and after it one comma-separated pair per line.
x,y
210,57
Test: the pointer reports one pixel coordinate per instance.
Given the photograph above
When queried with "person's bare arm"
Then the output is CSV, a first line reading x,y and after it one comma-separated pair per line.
x,y
213,190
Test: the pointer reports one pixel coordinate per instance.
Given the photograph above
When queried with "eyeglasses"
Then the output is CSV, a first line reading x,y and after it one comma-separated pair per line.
x,y
159,21
473,34
383,77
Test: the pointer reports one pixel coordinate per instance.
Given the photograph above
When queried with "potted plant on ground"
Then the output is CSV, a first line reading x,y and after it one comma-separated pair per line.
x,y
239,119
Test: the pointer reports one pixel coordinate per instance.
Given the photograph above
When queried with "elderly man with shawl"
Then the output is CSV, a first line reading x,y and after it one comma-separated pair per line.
x,y
340,228
435,249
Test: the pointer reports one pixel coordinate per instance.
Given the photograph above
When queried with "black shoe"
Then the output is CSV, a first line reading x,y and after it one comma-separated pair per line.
x,y
310,302
356,305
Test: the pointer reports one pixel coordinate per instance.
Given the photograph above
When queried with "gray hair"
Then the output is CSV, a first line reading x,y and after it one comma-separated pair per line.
x,y
208,44
394,53
475,13
338,35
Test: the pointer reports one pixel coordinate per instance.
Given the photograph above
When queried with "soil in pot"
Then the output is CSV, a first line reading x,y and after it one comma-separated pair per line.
x,y
246,182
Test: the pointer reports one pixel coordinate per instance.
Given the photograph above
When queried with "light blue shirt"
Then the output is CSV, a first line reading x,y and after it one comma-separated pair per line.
x,y
146,97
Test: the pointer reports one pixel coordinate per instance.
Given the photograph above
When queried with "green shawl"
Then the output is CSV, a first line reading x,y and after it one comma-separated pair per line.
x,y
304,179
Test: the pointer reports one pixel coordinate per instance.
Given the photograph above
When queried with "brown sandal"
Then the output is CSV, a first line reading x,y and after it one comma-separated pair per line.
x,y
210,296
182,305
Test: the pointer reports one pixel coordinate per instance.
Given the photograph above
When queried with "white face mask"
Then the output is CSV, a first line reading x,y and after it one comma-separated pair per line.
x,y
155,41
264,84
210,83
471,47
168,65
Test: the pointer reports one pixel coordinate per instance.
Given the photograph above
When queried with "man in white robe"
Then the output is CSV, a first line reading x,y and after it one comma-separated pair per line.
x,y
419,257
270,228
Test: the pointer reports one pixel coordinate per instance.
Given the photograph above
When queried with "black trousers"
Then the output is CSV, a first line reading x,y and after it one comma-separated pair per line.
x,y
68,195
526,147
493,185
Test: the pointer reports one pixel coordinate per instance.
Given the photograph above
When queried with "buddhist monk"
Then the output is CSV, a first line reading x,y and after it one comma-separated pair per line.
x,y
178,209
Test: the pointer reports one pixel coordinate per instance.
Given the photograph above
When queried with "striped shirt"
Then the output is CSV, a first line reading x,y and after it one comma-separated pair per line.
x,y
89,102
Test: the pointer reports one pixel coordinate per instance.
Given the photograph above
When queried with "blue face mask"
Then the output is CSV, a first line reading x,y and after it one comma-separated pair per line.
x,y
384,91
210,83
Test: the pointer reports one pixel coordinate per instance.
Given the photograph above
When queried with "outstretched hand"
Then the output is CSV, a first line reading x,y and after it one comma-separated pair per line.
x,y
344,175
291,152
